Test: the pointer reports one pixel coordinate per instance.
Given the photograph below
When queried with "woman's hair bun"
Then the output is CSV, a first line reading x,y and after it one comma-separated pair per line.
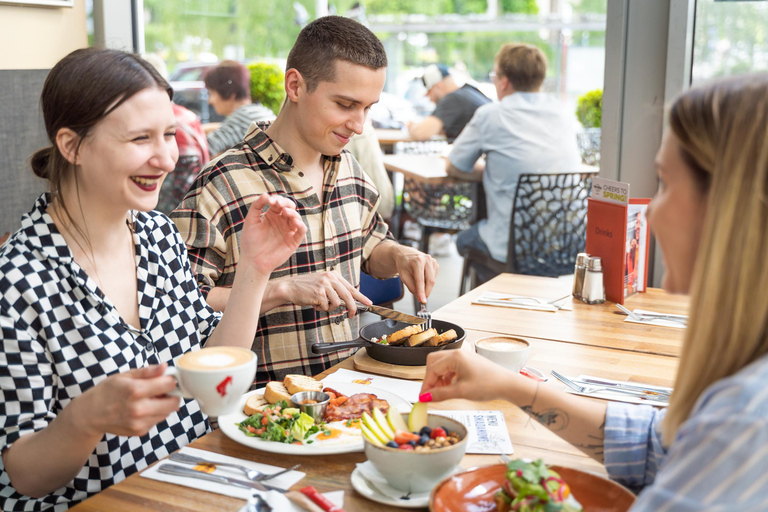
x,y
40,161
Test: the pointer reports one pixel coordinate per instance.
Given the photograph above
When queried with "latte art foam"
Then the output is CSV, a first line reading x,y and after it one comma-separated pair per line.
x,y
215,358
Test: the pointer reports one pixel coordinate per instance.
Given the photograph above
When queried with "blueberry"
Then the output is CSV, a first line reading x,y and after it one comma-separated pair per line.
x,y
425,431
424,440
412,443
392,444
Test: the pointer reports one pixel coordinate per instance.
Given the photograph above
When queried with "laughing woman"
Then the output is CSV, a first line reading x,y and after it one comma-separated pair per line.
x,y
709,449
96,294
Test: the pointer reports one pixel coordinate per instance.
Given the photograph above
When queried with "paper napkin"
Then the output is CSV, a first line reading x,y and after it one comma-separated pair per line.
x,y
407,389
507,300
660,321
283,481
621,397
280,503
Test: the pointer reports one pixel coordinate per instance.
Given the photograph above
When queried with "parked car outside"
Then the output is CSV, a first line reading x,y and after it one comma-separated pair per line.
x,y
189,89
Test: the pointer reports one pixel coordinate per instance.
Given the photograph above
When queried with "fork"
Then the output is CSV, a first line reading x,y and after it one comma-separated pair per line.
x,y
425,314
250,474
588,390
640,317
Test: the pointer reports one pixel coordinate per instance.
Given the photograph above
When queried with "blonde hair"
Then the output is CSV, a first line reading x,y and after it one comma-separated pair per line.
x,y
722,128
524,65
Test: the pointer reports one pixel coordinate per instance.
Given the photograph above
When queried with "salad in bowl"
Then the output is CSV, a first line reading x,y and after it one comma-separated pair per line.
x,y
534,487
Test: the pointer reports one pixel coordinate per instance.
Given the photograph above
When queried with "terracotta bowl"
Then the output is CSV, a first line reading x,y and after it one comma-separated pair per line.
x,y
474,489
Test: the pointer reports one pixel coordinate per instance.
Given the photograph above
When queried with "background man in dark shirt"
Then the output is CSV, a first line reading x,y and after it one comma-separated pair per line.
x,y
455,105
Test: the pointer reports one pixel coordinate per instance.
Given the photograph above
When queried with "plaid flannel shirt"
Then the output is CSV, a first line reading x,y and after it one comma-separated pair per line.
x,y
342,231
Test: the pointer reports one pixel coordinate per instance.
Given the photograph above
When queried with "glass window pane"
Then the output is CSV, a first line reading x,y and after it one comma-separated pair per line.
x,y
729,38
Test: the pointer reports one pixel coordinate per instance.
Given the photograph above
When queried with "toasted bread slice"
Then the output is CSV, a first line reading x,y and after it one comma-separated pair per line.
x,y
276,391
399,337
442,339
421,338
254,404
297,383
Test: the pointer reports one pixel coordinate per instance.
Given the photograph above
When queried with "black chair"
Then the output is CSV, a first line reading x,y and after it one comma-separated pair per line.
x,y
548,227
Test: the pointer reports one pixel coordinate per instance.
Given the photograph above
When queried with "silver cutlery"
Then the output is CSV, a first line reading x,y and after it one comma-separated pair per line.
x,y
588,390
173,469
425,315
390,313
644,317
639,387
251,474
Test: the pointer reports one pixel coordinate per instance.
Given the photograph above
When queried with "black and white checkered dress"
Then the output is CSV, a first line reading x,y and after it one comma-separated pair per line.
x,y
59,336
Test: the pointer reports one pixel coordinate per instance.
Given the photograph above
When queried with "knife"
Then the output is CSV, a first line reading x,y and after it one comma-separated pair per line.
x,y
173,469
391,313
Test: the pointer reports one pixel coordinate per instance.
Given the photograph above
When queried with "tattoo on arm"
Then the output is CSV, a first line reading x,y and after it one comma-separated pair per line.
x,y
554,419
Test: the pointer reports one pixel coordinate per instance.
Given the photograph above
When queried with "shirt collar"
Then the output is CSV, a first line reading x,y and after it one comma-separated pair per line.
x,y
270,152
41,233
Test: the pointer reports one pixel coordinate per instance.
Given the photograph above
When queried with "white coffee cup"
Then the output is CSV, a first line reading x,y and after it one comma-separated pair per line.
x,y
508,351
215,376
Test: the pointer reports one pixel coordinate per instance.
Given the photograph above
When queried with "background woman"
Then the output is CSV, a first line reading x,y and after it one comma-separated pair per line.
x,y
229,93
96,295
707,451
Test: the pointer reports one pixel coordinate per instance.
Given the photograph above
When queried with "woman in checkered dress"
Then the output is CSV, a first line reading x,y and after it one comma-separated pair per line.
x,y
96,294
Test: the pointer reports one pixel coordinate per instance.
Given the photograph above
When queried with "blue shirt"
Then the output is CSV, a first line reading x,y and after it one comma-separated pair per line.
x,y
719,459
525,132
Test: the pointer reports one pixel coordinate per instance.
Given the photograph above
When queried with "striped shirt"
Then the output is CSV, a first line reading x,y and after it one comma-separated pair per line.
x,y
235,126
719,459
342,231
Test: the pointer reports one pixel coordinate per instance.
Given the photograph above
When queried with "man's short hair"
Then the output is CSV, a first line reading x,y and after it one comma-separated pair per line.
x,y
228,78
524,65
328,39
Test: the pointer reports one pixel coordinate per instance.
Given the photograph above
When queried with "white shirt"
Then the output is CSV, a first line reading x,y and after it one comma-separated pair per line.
x,y
524,133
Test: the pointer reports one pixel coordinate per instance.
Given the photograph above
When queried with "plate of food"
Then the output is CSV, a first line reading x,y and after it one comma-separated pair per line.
x,y
529,487
267,420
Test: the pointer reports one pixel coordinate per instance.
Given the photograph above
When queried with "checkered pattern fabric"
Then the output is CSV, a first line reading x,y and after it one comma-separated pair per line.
x,y
342,232
60,336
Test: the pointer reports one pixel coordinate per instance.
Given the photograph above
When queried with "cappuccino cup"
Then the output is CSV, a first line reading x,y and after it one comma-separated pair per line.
x,y
215,376
510,352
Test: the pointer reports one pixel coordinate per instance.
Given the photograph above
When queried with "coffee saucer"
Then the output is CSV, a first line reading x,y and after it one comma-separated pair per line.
x,y
375,488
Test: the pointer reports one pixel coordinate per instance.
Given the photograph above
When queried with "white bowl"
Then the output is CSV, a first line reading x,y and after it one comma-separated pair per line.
x,y
412,471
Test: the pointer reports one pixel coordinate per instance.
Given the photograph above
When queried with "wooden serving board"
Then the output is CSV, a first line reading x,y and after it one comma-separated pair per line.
x,y
366,363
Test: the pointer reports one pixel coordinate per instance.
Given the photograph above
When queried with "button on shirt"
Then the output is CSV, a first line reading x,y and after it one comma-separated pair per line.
x,y
718,461
342,231
60,336
524,133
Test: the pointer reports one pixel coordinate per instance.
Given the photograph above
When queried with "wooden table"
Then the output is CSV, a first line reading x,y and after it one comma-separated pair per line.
x,y
599,325
573,349
422,168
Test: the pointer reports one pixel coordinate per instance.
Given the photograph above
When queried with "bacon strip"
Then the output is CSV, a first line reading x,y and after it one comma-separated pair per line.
x,y
354,407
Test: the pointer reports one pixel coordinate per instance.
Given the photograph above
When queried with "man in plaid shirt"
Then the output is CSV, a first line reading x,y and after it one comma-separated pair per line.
x,y
336,71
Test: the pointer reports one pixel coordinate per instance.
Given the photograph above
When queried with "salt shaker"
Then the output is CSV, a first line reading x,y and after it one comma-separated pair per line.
x,y
593,292
579,273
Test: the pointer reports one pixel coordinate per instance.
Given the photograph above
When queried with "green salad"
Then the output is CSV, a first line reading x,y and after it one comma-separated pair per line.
x,y
280,423
533,487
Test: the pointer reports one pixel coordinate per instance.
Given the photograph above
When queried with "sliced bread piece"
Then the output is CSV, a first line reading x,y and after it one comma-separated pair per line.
x,y
297,383
421,338
276,391
399,337
442,339
254,404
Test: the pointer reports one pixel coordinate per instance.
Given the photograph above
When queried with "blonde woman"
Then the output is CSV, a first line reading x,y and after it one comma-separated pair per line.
x,y
708,450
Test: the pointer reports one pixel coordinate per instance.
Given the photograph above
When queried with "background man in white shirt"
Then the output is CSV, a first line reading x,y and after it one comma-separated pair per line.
x,y
525,132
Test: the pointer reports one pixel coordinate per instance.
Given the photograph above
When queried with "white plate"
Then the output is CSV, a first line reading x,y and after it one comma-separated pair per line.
x,y
418,500
228,425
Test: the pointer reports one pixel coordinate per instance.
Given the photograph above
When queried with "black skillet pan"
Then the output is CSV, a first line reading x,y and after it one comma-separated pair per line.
x,y
406,356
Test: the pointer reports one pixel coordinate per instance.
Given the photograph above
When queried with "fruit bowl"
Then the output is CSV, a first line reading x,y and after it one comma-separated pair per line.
x,y
410,470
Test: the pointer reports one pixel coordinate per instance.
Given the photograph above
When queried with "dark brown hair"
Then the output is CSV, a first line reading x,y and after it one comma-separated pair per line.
x,y
524,65
229,78
328,39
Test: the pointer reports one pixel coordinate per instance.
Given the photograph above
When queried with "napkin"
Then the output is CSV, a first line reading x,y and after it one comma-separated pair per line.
x,y
660,322
507,300
407,389
621,397
280,503
283,481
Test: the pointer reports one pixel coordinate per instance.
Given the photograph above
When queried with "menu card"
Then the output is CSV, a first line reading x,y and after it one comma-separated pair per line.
x,y
487,430
617,231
